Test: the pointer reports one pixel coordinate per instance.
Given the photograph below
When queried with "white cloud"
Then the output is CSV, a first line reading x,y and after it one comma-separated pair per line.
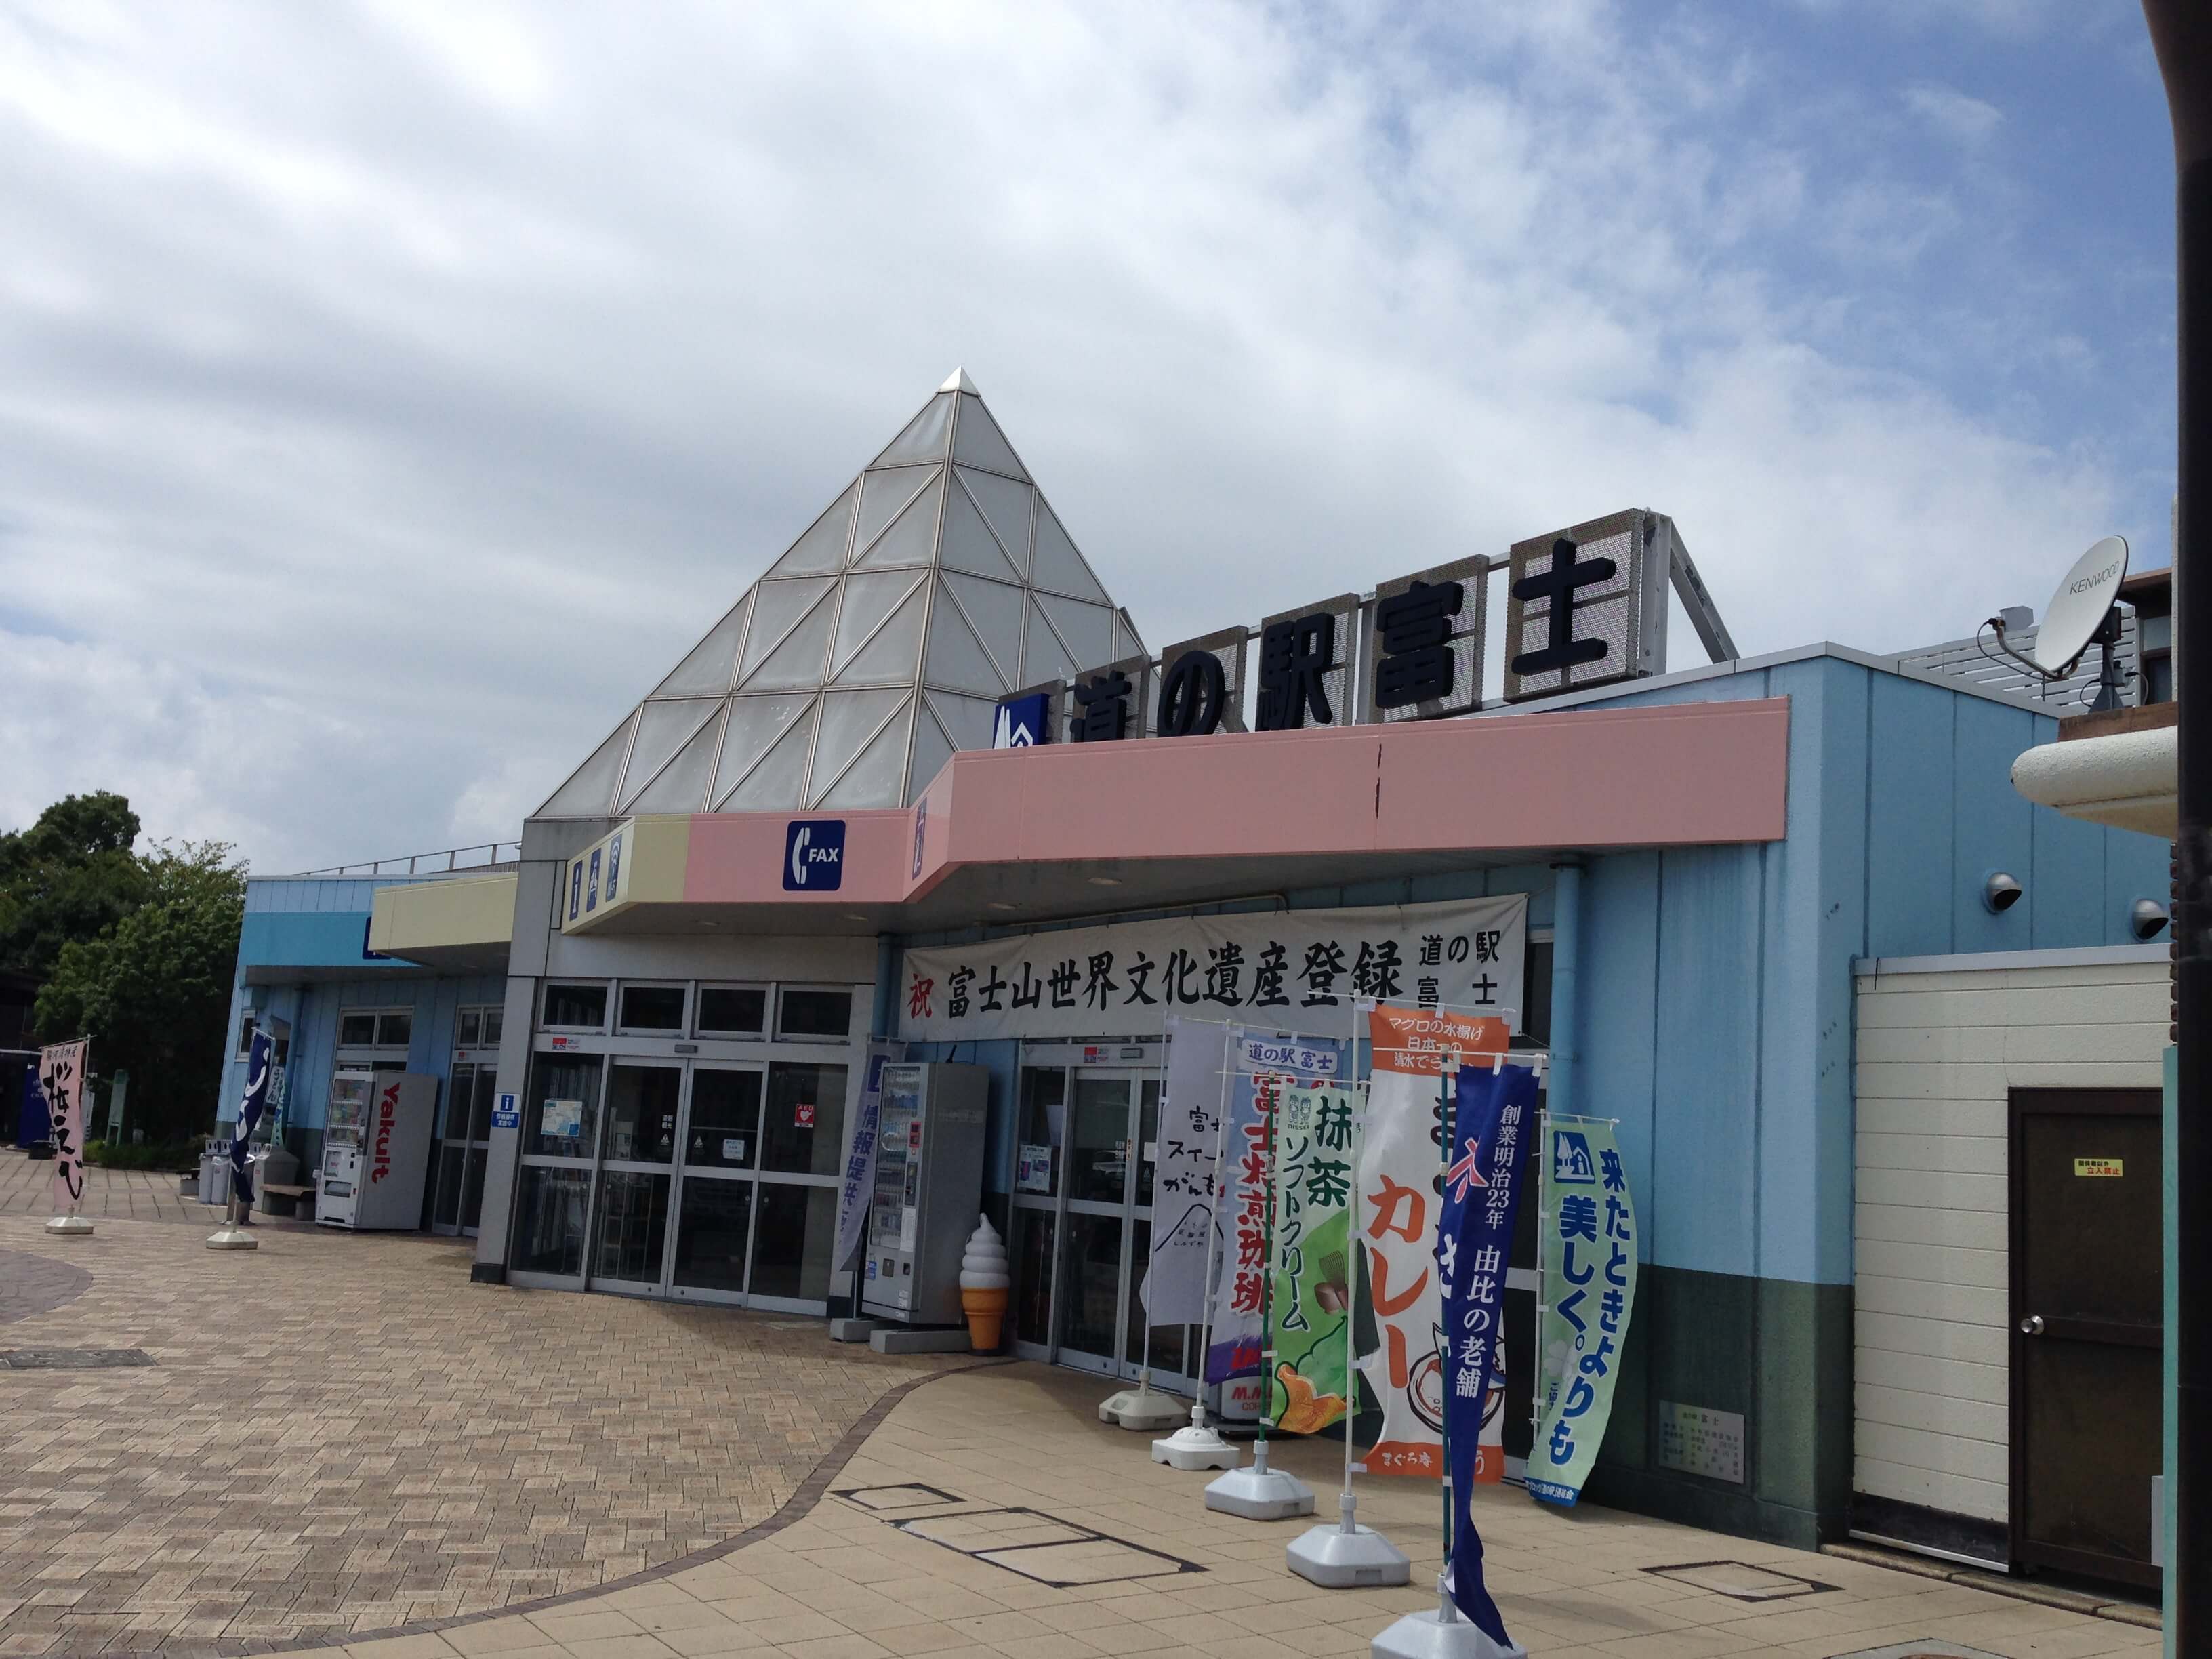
x,y
1953,113
386,400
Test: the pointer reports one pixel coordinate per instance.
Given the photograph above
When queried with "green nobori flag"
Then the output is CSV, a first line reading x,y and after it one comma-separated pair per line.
x,y
1314,1272
1587,1238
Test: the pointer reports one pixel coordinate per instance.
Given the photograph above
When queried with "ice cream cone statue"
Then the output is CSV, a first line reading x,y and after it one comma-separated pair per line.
x,y
984,1281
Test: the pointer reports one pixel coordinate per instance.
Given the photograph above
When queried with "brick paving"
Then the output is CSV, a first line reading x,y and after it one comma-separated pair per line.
x,y
25,1187
990,1516
341,1434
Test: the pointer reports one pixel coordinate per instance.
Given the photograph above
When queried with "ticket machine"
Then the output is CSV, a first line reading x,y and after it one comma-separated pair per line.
x,y
376,1151
929,1190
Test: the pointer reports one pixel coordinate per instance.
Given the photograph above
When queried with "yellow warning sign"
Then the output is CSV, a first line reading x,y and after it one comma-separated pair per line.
x,y
2099,1166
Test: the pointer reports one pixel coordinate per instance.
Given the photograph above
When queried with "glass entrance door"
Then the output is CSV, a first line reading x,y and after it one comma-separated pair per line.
x,y
627,1248
715,1207
1082,1220
457,1201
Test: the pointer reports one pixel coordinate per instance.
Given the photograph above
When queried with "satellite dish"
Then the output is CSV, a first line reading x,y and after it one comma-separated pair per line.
x,y
2077,611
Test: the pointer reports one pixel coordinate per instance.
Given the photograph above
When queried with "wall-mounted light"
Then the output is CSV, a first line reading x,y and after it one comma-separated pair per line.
x,y
2146,919
1105,881
2000,892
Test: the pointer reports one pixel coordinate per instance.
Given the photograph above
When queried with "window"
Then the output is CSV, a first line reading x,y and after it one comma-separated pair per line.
x,y
815,1014
468,1029
733,1010
576,1007
652,1008
356,1030
375,1027
245,1036
803,1130
494,1025
394,1030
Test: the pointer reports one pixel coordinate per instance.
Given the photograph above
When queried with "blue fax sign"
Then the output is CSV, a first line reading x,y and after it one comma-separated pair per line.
x,y
814,855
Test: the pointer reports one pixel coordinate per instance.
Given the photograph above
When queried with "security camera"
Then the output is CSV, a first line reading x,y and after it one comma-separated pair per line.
x,y
2001,892
2146,919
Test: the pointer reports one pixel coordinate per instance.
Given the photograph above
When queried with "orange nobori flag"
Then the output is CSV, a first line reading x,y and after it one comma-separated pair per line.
x,y
1418,1040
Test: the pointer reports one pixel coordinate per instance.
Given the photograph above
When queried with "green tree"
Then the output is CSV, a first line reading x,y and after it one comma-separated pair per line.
x,y
66,877
153,989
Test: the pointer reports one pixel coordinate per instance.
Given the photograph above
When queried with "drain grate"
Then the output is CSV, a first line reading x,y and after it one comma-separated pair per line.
x,y
71,1359
1739,1580
1921,1650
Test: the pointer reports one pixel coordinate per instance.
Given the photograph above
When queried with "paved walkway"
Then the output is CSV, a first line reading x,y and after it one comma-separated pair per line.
x,y
338,1433
25,1189
339,1440
992,1516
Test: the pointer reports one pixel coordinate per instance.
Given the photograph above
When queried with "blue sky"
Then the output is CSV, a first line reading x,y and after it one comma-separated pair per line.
x,y
391,391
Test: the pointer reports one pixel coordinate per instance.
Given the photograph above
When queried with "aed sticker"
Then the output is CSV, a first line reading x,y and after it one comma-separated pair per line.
x,y
802,1116
2100,1166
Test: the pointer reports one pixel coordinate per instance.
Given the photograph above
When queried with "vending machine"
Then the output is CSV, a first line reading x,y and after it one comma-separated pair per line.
x,y
929,1190
376,1151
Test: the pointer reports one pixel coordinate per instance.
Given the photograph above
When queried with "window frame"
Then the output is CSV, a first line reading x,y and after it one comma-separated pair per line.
x,y
759,1033
604,987
784,987
679,1030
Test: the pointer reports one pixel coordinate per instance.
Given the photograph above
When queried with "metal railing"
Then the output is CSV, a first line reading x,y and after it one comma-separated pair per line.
x,y
488,855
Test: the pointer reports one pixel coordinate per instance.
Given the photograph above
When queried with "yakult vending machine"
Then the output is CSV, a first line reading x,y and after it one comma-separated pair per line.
x,y
929,1190
376,1151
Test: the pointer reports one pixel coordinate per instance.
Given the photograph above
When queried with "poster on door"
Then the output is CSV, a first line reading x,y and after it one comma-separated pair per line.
x,y
1400,1178
1313,1271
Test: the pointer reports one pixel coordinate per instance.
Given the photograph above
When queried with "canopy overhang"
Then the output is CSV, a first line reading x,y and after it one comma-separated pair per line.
x,y
1063,831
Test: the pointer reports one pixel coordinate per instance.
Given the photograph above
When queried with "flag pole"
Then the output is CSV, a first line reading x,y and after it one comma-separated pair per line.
x,y
1197,1445
1145,1408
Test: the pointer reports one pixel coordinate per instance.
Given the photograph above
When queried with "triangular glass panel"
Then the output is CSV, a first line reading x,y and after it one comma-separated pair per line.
x,y
821,548
1059,567
932,749
848,720
882,494
662,729
995,609
968,543
966,720
868,600
776,606
1044,656
682,785
590,791
1125,642
800,660
891,657
924,438
912,539
977,441
774,784
1006,505
754,724
954,659
1088,629
879,777
713,663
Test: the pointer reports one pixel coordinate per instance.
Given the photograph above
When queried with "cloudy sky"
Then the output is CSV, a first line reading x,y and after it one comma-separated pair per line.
x,y
390,393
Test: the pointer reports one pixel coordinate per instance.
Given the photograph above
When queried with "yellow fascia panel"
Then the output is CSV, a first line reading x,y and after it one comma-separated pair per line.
x,y
641,861
462,911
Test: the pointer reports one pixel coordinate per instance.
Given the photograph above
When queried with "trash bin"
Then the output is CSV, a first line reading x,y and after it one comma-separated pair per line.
x,y
214,1179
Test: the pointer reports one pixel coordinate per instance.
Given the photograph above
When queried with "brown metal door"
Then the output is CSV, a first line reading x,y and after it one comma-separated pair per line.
x,y
2086,1329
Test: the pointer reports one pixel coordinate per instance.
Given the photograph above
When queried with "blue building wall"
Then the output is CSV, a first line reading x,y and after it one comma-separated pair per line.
x,y
299,925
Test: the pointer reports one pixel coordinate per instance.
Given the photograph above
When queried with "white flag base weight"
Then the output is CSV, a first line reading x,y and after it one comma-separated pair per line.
x,y
1440,1633
1141,1409
70,1226
233,1238
1348,1556
1196,1446
1260,1494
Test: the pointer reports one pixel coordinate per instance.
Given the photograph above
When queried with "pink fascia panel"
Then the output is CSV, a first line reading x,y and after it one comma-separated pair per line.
x,y
737,857
1700,774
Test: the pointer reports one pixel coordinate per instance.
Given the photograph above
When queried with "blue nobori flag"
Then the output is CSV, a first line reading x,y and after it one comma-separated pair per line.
x,y
260,1067
1494,1112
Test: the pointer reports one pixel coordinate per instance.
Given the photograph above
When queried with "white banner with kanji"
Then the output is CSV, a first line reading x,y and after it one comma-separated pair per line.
x,y
1298,971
